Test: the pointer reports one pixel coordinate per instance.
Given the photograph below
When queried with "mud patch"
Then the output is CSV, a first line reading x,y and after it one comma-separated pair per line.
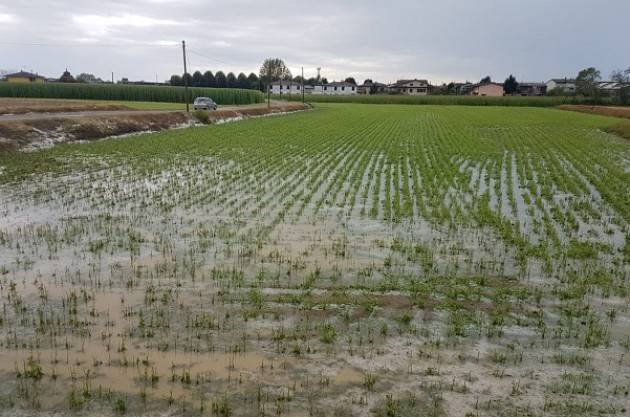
x,y
46,132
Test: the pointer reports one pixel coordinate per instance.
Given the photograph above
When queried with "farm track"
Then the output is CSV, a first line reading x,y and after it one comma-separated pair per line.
x,y
323,261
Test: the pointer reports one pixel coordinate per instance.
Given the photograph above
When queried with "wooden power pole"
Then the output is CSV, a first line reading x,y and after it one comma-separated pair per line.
x,y
302,85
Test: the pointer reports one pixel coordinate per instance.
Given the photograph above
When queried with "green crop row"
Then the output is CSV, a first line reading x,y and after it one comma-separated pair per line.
x,y
167,94
451,100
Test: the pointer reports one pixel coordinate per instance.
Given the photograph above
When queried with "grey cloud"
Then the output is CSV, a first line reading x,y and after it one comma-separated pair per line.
x,y
441,40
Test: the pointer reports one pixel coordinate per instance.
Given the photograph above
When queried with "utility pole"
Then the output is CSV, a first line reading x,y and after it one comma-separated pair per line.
x,y
268,94
302,85
112,77
185,76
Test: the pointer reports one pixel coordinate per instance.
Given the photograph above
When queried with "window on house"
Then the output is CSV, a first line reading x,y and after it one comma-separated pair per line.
x,y
335,88
343,88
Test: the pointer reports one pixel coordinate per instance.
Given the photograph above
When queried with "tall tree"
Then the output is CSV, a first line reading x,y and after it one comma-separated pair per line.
x,y
241,81
253,80
221,79
351,80
620,76
274,69
485,80
368,81
187,79
231,80
88,78
176,80
586,81
510,86
196,79
208,79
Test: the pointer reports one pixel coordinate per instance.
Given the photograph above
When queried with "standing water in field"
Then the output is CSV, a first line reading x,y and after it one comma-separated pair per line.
x,y
351,260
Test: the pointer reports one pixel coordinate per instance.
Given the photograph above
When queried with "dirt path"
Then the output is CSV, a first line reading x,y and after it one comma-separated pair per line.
x,y
78,114
124,112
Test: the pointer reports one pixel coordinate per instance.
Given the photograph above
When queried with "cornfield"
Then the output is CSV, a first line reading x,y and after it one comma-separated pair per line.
x,y
153,93
452,100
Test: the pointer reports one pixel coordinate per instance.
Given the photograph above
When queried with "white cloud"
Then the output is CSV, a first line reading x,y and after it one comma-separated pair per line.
x,y
6,18
96,25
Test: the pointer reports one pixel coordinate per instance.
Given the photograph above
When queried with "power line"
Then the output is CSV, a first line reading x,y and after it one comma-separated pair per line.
x,y
192,51
91,45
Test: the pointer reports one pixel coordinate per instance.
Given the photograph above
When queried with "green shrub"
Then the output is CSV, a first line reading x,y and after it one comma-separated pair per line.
x,y
202,116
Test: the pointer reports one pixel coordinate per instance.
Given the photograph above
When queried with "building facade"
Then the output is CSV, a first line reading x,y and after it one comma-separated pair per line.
x,y
532,89
488,89
566,85
286,87
411,87
338,89
25,77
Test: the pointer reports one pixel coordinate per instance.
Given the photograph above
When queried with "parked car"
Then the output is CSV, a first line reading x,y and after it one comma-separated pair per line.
x,y
204,103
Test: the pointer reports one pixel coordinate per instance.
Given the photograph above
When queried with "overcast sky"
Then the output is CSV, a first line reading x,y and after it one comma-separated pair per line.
x,y
441,40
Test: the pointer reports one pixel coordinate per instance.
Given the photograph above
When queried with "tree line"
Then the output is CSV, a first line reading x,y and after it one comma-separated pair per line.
x,y
217,80
272,69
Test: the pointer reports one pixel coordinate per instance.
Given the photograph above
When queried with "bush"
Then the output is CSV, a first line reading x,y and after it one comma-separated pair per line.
x,y
202,116
126,92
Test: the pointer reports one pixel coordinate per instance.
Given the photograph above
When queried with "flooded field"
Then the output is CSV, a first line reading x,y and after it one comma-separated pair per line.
x,y
353,260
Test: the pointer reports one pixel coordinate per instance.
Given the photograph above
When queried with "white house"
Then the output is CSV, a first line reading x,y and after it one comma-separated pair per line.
x,y
338,88
286,87
567,85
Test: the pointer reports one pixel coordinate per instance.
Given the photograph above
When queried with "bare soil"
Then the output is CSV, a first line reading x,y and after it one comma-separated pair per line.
x,y
29,131
623,112
45,132
23,106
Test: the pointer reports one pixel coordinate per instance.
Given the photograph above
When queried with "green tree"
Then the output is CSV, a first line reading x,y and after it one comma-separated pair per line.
x,y
351,80
486,79
187,79
176,80
221,79
232,82
197,79
88,78
586,81
274,69
510,86
241,81
253,80
208,79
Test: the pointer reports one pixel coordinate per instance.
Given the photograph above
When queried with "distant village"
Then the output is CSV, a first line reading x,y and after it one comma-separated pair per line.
x,y
420,87
320,86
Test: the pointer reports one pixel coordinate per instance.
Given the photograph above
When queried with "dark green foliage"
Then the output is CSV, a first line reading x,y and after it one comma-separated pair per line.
x,y
510,86
167,94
